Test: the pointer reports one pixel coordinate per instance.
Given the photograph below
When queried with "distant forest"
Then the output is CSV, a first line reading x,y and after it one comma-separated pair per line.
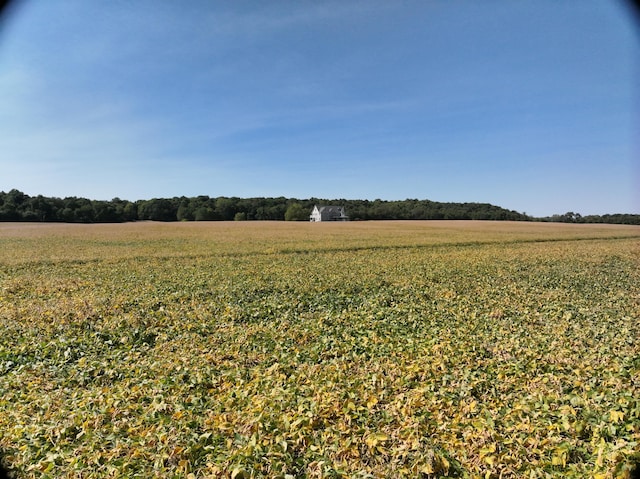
x,y
18,206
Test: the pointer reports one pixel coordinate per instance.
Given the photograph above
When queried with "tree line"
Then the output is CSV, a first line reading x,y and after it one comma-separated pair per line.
x,y
18,206
617,218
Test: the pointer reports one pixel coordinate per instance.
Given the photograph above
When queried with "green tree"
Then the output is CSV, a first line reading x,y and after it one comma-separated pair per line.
x,y
225,208
205,213
157,209
185,213
296,212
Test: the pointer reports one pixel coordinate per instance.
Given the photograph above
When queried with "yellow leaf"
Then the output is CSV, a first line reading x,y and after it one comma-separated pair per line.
x,y
559,460
600,458
374,439
616,416
427,469
239,473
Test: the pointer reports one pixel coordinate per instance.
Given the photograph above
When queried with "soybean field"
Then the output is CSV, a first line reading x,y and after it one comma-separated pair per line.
x,y
344,350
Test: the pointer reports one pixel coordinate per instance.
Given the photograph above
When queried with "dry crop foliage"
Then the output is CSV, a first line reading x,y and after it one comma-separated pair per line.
x,y
391,349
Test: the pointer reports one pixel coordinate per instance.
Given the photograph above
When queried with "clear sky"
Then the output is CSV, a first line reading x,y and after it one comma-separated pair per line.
x,y
531,105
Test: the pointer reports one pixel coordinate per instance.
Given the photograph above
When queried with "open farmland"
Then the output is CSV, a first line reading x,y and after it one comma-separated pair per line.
x,y
382,349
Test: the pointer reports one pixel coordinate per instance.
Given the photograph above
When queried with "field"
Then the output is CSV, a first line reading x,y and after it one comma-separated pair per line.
x,y
374,349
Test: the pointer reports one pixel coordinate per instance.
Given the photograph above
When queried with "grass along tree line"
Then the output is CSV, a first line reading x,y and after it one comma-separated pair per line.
x,y
18,206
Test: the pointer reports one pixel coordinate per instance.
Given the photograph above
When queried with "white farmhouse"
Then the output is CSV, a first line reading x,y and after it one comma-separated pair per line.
x,y
328,213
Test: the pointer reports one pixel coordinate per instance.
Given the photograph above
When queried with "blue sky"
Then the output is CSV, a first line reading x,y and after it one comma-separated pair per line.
x,y
529,105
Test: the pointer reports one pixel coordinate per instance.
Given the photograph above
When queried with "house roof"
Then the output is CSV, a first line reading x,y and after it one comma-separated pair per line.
x,y
331,209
